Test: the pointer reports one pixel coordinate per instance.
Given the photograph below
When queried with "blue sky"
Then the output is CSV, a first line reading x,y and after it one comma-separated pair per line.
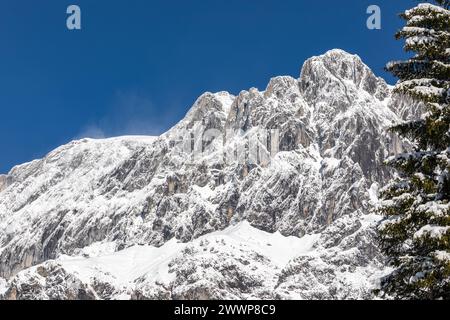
x,y
138,65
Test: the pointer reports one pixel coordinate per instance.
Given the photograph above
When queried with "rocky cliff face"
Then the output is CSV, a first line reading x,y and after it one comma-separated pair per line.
x,y
301,159
3,182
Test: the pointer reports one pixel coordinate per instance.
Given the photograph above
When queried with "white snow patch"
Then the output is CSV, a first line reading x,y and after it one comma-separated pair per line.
x,y
226,99
136,138
373,193
442,255
278,248
432,231
127,265
99,249
205,192
3,286
331,164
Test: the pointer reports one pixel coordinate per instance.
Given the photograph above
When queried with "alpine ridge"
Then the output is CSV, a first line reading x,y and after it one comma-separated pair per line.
x,y
175,217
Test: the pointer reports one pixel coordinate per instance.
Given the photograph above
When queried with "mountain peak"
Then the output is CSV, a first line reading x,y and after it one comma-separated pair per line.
x,y
338,70
336,63
336,56
279,86
210,109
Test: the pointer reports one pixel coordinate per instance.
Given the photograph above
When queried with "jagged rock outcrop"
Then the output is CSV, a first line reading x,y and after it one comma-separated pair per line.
x,y
3,182
302,157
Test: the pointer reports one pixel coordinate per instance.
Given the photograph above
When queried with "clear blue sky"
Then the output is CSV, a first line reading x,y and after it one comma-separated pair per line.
x,y
138,65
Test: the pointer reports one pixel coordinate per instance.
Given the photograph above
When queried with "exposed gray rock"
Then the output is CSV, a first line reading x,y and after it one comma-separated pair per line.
x,y
47,282
3,182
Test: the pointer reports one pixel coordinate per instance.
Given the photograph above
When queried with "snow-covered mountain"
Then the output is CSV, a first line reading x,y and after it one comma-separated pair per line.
x,y
264,195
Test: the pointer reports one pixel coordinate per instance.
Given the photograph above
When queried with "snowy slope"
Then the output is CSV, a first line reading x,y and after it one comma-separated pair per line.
x,y
148,201
262,259
137,261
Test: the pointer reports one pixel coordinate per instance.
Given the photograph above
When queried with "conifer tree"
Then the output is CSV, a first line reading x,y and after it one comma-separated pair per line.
x,y
415,234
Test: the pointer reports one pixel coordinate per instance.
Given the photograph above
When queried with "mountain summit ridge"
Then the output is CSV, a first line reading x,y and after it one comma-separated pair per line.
x,y
319,144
